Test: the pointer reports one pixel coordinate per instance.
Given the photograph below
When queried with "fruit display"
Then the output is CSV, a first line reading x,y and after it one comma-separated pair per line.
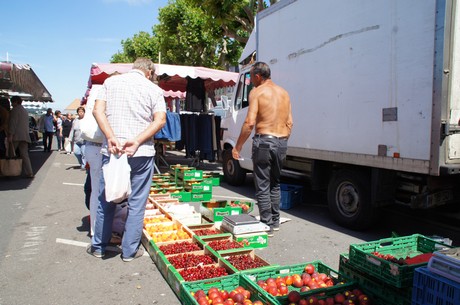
x,y
220,245
347,297
169,236
206,232
202,272
245,261
179,247
305,279
186,260
155,219
170,226
246,206
214,296
418,259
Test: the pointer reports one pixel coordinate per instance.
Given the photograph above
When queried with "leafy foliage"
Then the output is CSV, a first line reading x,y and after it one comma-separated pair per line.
x,y
209,33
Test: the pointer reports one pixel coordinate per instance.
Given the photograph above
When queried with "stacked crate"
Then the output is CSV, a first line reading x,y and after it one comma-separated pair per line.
x,y
385,268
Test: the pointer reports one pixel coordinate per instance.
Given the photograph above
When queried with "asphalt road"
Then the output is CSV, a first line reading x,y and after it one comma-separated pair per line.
x,y
45,232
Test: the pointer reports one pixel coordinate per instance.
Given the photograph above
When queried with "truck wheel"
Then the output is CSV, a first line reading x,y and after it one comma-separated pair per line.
x,y
349,199
233,173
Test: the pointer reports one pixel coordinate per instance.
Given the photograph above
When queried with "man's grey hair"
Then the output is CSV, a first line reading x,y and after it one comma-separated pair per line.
x,y
144,64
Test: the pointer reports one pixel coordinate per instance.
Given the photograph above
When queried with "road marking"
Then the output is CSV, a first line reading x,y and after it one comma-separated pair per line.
x,y
84,245
74,184
33,241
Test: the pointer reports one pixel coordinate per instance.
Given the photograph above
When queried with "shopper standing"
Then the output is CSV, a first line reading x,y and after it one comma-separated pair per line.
x,y
18,133
270,114
129,109
78,143
66,127
47,128
58,124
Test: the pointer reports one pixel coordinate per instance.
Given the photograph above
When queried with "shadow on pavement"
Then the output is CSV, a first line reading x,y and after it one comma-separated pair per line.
x,y
37,158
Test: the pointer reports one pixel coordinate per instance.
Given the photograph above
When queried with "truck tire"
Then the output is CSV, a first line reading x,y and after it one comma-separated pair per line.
x,y
349,199
233,173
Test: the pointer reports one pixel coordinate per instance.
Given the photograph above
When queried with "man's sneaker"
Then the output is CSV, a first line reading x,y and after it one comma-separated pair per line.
x,y
90,251
270,232
138,254
276,228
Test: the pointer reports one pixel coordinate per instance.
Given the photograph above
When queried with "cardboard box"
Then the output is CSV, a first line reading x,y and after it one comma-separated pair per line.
x,y
198,187
216,210
226,255
201,197
182,196
253,240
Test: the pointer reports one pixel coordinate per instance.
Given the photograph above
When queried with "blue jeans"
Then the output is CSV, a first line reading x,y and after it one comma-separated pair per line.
x,y
141,176
268,155
79,152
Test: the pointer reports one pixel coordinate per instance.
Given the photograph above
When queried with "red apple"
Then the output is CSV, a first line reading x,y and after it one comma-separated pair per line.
x,y
294,296
309,268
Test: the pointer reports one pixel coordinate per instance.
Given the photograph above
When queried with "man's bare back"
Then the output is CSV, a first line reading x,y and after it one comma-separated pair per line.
x,y
273,109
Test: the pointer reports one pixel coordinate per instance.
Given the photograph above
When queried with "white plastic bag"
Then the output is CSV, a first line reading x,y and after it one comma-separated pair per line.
x,y
117,176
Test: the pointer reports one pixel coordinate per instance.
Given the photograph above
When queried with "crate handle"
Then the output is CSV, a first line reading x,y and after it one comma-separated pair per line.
x,y
386,243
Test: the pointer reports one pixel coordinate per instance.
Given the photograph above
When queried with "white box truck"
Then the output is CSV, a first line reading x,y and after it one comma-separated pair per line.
x,y
375,93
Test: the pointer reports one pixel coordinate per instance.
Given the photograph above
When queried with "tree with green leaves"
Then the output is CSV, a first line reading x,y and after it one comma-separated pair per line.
x,y
208,33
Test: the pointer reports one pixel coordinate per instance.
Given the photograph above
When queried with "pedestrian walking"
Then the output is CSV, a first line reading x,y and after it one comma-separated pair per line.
x,y
130,109
269,112
47,128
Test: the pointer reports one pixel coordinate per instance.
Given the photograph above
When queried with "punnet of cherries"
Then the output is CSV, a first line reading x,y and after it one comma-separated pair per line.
x,y
245,261
219,245
180,247
202,272
186,260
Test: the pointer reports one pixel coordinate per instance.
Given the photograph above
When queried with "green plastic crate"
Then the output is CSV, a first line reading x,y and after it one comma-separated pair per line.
x,y
175,279
381,293
341,282
224,255
400,276
227,283
201,197
182,196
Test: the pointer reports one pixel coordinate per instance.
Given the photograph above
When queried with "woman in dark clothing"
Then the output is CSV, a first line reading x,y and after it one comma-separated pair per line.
x,y
66,127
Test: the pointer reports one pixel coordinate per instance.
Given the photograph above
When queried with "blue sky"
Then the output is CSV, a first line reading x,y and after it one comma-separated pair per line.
x,y
60,39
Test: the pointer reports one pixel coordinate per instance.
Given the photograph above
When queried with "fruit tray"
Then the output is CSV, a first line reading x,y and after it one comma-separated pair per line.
x,y
176,280
432,289
215,210
227,283
244,260
400,276
153,197
198,187
292,277
246,206
381,293
205,229
212,177
223,242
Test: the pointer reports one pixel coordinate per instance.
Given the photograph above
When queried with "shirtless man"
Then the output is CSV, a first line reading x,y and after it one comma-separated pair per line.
x,y
270,113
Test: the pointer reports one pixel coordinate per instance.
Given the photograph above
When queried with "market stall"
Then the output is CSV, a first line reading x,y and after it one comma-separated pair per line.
x,y
21,80
191,85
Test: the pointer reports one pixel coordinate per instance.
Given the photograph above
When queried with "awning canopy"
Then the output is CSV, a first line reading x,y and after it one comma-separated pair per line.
x,y
21,80
170,77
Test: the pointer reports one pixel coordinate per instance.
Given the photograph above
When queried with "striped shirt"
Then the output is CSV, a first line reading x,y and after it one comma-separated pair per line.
x,y
131,100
